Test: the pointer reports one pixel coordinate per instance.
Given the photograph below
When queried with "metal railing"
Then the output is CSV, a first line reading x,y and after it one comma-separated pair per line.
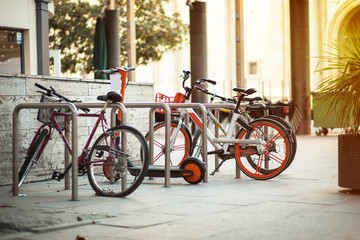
x,y
74,137
204,125
166,108
216,107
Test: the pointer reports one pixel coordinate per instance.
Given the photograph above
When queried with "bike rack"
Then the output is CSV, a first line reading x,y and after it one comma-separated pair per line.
x,y
152,107
74,138
216,106
113,106
204,124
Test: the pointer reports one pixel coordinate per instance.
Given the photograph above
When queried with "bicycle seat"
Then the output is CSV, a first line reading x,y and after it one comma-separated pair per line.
x,y
112,96
245,91
253,99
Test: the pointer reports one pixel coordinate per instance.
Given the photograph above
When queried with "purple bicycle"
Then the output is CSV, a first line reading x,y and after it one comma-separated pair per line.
x,y
117,162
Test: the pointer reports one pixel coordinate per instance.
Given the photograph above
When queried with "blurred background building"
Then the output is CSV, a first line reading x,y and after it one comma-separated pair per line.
x,y
267,49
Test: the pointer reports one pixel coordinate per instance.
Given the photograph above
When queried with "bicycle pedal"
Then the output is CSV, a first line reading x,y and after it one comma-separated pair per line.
x,y
57,176
82,171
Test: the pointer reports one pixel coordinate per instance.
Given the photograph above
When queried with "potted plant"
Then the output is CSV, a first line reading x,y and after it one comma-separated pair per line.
x,y
339,91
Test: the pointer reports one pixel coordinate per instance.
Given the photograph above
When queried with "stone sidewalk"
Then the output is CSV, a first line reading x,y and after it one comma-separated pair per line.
x,y
304,202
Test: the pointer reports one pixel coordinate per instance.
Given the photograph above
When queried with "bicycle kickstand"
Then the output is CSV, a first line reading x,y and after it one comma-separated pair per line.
x,y
217,168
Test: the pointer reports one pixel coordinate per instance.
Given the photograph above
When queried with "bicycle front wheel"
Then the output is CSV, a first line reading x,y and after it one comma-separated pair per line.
x,y
180,148
275,140
118,162
31,157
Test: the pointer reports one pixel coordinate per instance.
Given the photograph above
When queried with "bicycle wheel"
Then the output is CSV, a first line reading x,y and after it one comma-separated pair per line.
x,y
276,143
31,157
118,162
293,140
254,162
197,168
178,151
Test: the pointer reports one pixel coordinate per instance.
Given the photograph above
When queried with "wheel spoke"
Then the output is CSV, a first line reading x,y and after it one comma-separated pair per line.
x,y
275,158
258,167
276,137
158,144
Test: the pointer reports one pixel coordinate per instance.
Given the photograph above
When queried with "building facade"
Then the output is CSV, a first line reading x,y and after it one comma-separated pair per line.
x,y
21,32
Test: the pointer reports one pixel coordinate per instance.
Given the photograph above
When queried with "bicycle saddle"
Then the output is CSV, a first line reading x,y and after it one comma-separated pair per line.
x,y
112,96
253,99
245,91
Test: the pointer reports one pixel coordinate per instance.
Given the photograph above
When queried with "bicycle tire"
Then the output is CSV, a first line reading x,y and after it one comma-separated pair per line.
x,y
289,136
181,148
113,171
277,150
195,142
198,173
29,161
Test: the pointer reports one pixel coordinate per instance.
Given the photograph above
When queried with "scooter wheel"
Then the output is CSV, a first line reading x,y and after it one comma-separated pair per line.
x,y
197,169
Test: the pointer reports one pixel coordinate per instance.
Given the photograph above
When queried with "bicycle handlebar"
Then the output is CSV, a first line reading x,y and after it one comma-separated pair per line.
x,y
203,80
114,70
42,87
52,92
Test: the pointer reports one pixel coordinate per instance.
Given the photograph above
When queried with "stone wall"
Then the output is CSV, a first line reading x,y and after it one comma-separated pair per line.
x,y
16,89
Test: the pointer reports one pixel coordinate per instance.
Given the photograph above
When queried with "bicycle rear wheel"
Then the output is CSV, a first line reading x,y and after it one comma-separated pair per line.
x,y
118,162
31,157
276,157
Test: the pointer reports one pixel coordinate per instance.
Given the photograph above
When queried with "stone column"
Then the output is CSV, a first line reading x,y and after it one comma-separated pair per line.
x,y
111,22
42,36
300,76
198,47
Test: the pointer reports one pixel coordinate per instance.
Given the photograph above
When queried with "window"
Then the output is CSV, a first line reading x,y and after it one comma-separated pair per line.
x,y
253,68
11,51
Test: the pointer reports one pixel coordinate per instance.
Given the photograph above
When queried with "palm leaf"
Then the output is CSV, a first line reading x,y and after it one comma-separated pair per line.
x,y
339,92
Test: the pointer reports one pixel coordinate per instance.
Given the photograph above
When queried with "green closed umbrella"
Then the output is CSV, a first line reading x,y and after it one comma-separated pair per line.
x,y
100,54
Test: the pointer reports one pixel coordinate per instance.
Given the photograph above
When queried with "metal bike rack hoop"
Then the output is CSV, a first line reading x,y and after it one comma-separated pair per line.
x,y
74,138
72,108
166,108
204,125
216,106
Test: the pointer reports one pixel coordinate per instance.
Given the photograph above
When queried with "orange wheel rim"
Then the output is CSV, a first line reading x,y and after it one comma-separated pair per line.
x,y
196,172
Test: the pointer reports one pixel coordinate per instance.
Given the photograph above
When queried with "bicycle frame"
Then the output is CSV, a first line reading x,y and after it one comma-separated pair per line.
x,y
215,142
53,124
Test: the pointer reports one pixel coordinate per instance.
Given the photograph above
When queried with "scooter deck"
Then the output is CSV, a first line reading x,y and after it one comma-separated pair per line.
x,y
159,171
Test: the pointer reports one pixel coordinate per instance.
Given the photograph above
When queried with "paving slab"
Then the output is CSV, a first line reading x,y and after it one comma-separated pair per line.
x,y
304,202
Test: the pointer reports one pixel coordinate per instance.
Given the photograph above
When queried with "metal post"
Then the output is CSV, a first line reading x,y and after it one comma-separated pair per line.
x,y
217,115
67,153
74,148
